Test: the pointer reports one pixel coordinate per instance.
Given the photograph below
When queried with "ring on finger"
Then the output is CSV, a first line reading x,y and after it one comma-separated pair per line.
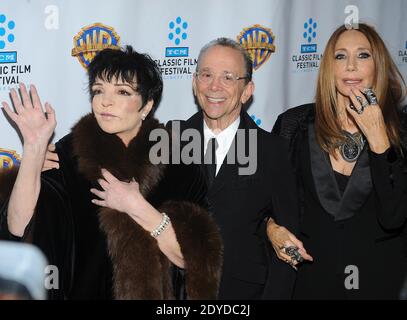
x,y
358,111
365,104
360,99
294,254
371,96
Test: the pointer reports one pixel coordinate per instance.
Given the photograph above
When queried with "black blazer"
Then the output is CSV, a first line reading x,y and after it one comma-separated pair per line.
x,y
364,227
240,203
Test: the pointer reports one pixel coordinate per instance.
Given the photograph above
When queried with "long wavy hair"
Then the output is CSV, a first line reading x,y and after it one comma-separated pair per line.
x,y
389,87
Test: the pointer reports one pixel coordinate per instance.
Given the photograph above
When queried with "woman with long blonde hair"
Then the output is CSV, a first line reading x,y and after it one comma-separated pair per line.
x,y
349,155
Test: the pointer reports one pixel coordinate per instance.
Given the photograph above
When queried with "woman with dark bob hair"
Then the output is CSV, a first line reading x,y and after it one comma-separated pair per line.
x,y
348,149
116,225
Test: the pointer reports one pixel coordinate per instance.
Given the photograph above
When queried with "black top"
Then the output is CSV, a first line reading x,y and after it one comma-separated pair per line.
x,y
341,181
354,227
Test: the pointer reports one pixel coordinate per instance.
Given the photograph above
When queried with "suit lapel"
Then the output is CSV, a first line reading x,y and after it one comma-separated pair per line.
x,y
226,171
230,171
196,122
357,190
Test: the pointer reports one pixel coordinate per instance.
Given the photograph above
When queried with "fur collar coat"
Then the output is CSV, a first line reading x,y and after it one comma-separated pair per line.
x,y
137,268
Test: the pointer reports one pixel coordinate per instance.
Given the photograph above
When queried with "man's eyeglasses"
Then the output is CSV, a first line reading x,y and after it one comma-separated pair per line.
x,y
227,79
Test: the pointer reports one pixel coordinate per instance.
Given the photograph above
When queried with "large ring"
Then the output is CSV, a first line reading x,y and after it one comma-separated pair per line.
x,y
371,96
360,99
292,251
358,111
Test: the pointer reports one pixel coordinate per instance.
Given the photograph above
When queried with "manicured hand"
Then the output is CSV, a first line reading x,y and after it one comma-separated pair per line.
x,y
36,127
116,194
281,238
370,121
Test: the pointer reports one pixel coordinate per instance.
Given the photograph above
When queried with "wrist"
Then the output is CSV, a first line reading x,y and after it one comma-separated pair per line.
x,y
146,215
140,209
35,150
164,223
378,142
379,148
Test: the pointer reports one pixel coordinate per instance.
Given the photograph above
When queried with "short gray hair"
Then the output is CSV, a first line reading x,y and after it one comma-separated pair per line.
x,y
229,43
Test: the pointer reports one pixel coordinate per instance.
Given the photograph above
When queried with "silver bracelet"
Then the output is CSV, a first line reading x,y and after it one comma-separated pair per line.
x,y
163,224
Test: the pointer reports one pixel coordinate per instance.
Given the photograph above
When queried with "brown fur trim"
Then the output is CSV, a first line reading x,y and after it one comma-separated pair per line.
x,y
201,246
96,150
7,179
140,270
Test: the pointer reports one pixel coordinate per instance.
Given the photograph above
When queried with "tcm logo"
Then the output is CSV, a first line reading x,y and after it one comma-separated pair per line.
x,y
6,36
177,52
259,42
9,159
92,39
177,34
309,35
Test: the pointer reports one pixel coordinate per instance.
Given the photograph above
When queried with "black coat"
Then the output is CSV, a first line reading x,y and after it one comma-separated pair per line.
x,y
102,253
363,226
240,203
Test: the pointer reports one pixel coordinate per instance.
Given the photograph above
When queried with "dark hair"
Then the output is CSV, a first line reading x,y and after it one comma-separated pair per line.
x,y
229,43
131,67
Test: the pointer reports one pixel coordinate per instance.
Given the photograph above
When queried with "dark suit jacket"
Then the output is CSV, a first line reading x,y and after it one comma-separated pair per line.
x,y
366,226
240,203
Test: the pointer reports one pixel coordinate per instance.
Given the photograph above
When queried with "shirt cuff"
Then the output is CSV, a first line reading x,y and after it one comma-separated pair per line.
x,y
390,155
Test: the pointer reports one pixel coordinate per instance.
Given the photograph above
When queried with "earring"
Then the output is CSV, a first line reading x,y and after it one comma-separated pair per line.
x,y
143,117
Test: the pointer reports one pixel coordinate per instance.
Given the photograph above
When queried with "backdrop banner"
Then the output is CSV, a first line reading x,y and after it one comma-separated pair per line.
x,y
49,43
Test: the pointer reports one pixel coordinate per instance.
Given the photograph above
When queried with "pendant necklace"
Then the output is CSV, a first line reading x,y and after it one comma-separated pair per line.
x,y
352,147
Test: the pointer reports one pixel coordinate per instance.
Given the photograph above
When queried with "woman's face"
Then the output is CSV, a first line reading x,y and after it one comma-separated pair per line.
x,y
353,66
116,106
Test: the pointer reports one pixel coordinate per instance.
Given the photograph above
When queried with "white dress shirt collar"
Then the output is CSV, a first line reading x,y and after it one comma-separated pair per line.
x,y
224,139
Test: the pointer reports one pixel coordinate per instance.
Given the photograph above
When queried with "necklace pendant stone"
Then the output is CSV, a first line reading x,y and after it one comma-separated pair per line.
x,y
352,147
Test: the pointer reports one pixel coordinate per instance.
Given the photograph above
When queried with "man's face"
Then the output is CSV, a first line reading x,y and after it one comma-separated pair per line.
x,y
221,101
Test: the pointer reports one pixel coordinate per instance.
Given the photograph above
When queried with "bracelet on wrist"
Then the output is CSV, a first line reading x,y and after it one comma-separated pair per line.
x,y
161,227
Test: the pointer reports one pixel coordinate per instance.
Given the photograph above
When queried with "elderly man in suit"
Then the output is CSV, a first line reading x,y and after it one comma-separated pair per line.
x,y
242,190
